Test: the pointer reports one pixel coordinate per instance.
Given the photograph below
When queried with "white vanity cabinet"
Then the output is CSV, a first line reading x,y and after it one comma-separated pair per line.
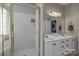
x,y
60,47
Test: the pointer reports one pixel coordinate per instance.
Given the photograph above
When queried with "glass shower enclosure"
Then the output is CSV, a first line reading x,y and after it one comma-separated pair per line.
x,y
19,30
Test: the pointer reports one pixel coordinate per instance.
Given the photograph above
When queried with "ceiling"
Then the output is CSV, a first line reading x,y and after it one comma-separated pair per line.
x,y
64,4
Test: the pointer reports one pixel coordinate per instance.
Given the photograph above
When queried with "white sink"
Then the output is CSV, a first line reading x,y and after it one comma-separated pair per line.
x,y
51,37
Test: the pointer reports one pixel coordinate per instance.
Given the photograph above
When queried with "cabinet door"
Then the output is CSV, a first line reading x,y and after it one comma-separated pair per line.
x,y
48,49
56,48
74,43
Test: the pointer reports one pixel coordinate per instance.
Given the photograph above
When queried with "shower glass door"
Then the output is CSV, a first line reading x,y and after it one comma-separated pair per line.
x,y
25,31
0,30
4,30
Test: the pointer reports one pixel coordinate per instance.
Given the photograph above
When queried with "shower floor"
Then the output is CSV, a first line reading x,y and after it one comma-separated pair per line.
x,y
27,52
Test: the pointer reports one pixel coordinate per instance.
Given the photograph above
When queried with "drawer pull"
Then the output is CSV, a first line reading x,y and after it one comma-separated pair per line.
x,y
62,46
54,43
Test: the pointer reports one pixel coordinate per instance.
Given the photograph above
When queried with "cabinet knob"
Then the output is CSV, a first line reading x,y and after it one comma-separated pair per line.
x,y
67,45
62,53
67,40
46,36
72,39
62,41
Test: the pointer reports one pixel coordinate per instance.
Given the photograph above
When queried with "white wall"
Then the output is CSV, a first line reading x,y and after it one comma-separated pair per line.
x,y
24,30
72,15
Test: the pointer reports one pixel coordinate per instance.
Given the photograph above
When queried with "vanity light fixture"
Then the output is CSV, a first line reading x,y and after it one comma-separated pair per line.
x,y
53,13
